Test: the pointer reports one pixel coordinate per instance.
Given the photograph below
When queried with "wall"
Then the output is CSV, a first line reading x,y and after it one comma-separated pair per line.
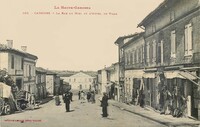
x,y
3,60
179,27
80,80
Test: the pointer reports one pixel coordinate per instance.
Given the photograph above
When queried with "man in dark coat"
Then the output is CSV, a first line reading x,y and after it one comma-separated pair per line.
x,y
104,105
67,99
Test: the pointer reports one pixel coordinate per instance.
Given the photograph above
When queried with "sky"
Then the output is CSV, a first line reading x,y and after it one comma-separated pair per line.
x,y
81,40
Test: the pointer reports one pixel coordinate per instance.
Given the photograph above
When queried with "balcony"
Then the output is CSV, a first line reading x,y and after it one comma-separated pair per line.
x,y
19,72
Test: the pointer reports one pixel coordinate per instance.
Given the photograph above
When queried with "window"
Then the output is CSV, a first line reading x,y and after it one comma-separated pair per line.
x,y
133,56
141,54
173,44
69,80
12,62
188,39
22,63
130,62
137,55
30,70
172,15
153,27
126,58
148,52
27,70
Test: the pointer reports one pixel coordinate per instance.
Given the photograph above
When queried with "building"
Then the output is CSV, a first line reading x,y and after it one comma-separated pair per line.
x,y
41,83
104,80
113,81
172,46
134,66
52,83
20,65
121,59
80,81
108,81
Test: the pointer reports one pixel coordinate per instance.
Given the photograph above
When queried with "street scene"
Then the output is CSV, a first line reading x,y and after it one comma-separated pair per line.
x,y
84,64
84,114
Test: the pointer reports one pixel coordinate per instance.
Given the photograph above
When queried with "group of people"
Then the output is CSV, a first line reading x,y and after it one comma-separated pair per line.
x,y
90,96
67,98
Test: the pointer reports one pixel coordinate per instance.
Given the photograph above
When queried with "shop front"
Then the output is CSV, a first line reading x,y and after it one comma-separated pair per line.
x,y
183,87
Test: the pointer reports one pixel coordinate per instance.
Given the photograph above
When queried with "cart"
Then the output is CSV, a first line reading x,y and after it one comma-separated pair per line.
x,y
26,100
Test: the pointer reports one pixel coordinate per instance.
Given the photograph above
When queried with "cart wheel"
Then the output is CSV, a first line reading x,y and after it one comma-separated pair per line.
x,y
7,109
1,106
1,110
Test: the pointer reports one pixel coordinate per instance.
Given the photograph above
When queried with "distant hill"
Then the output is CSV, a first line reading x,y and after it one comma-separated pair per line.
x,y
67,73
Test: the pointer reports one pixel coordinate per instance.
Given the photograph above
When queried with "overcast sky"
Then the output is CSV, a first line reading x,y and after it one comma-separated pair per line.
x,y
71,42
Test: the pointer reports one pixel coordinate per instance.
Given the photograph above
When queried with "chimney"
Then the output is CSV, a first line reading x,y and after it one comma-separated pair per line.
x,y
9,43
24,48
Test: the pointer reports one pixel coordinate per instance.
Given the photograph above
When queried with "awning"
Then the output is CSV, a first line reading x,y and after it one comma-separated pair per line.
x,y
149,75
187,75
134,73
179,74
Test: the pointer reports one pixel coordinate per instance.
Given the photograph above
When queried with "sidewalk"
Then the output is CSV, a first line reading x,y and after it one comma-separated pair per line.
x,y
46,100
167,120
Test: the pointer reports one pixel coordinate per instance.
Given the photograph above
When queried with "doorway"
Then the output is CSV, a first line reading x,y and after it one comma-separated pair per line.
x,y
19,83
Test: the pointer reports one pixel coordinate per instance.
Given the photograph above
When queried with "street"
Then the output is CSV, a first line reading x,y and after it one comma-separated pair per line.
x,y
81,115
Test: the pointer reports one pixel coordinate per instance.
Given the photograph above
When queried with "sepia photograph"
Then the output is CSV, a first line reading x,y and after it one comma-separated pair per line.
x,y
100,63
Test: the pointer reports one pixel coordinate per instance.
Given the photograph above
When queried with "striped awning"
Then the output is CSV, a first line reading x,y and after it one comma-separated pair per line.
x,y
179,74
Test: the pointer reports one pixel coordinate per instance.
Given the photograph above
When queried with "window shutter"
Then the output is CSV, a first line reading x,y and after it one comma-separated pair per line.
x,y
173,44
126,59
161,47
148,52
154,51
190,39
133,59
151,52
141,54
186,40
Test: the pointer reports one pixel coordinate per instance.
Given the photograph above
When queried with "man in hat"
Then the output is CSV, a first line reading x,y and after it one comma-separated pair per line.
x,y
104,104
67,99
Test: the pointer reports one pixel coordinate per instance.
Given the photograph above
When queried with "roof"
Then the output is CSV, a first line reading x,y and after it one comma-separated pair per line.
x,y
120,39
4,48
81,74
154,12
40,69
51,72
137,36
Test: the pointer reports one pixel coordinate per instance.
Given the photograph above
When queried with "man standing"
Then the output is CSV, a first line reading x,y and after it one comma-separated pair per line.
x,y
67,99
104,105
